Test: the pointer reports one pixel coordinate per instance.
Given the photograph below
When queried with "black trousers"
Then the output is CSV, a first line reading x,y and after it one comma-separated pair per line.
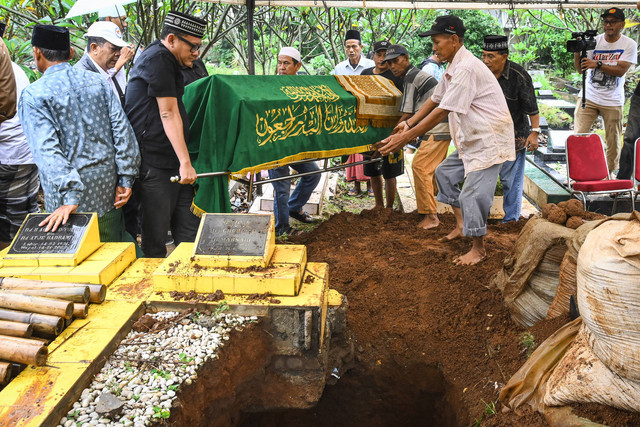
x,y
165,206
631,133
131,212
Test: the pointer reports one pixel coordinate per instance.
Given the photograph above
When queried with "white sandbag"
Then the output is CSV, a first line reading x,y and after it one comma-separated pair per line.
x,y
532,304
581,377
608,278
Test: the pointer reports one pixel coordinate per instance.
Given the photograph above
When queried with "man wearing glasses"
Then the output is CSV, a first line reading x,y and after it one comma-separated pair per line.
x,y
156,112
606,66
104,46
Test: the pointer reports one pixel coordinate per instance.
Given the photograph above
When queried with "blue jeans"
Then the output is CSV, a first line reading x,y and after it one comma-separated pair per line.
x,y
282,203
512,177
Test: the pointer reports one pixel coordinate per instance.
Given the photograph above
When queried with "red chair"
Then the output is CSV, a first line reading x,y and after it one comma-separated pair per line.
x,y
587,171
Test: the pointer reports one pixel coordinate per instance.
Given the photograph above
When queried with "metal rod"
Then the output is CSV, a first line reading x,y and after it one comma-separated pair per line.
x,y
266,181
332,168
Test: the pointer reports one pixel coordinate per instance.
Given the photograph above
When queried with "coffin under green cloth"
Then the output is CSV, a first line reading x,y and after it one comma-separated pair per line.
x,y
249,123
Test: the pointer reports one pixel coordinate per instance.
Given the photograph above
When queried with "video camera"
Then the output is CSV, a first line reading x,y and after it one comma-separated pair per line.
x,y
582,41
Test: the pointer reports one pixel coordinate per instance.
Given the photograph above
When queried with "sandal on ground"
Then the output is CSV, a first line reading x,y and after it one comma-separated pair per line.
x,y
371,194
353,192
302,217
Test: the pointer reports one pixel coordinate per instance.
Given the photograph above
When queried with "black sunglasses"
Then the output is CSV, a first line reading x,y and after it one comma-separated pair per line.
x,y
194,47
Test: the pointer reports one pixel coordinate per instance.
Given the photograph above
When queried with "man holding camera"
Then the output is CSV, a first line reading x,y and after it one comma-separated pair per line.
x,y
606,67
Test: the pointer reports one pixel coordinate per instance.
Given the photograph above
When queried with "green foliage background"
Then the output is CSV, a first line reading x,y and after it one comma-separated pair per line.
x,y
536,37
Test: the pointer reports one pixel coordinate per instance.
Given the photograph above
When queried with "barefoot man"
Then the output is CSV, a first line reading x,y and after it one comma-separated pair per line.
x,y
481,128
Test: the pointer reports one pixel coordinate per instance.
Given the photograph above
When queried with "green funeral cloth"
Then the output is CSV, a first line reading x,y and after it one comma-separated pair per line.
x,y
245,124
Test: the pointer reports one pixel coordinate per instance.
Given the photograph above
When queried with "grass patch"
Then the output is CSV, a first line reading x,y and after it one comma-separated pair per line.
x,y
528,343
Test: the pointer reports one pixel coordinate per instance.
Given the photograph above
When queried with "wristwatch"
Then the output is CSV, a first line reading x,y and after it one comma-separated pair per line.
x,y
538,130
599,64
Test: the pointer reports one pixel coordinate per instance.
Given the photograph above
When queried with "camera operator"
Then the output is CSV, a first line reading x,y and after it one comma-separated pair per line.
x,y
606,66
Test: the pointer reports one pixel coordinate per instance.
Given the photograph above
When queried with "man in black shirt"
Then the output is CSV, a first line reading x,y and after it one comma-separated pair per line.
x,y
518,90
156,112
392,165
196,72
382,68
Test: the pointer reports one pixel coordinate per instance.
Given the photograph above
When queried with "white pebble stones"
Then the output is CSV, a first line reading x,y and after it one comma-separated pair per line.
x,y
147,369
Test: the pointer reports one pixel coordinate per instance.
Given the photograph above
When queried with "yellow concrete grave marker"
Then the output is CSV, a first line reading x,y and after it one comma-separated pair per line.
x,y
68,246
235,240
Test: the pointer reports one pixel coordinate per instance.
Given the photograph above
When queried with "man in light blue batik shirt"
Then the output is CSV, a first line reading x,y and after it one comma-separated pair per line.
x,y
81,140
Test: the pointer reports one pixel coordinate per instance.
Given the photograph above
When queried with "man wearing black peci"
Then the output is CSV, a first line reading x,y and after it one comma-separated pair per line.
x,y
158,116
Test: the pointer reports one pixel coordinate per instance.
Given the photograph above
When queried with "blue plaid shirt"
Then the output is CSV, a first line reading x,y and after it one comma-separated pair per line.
x,y
80,138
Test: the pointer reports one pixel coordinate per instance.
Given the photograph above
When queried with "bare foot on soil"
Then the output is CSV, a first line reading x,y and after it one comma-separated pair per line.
x,y
455,234
472,257
429,221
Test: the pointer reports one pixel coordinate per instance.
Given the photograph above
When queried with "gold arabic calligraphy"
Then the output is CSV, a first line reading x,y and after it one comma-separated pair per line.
x,y
278,124
321,93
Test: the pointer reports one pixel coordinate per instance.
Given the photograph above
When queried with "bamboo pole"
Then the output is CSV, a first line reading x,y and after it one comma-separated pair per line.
x,y
80,311
42,323
97,292
5,372
40,305
73,294
15,329
23,350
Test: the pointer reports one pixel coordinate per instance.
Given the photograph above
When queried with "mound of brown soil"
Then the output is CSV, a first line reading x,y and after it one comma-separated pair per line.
x,y
434,343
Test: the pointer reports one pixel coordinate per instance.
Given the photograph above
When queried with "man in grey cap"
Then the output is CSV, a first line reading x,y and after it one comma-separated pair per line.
x,y
158,116
481,128
418,87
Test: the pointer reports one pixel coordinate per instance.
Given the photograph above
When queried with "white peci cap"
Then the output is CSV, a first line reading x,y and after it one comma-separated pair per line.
x,y
291,52
108,31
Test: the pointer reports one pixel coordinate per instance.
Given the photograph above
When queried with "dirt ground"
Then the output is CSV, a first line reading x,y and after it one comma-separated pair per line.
x,y
434,344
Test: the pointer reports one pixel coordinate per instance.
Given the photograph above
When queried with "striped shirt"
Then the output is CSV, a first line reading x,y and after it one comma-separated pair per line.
x,y
480,122
418,87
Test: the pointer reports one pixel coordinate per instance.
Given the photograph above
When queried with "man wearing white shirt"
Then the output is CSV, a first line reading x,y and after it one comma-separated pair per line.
x,y
606,67
355,62
481,128
103,55
354,65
